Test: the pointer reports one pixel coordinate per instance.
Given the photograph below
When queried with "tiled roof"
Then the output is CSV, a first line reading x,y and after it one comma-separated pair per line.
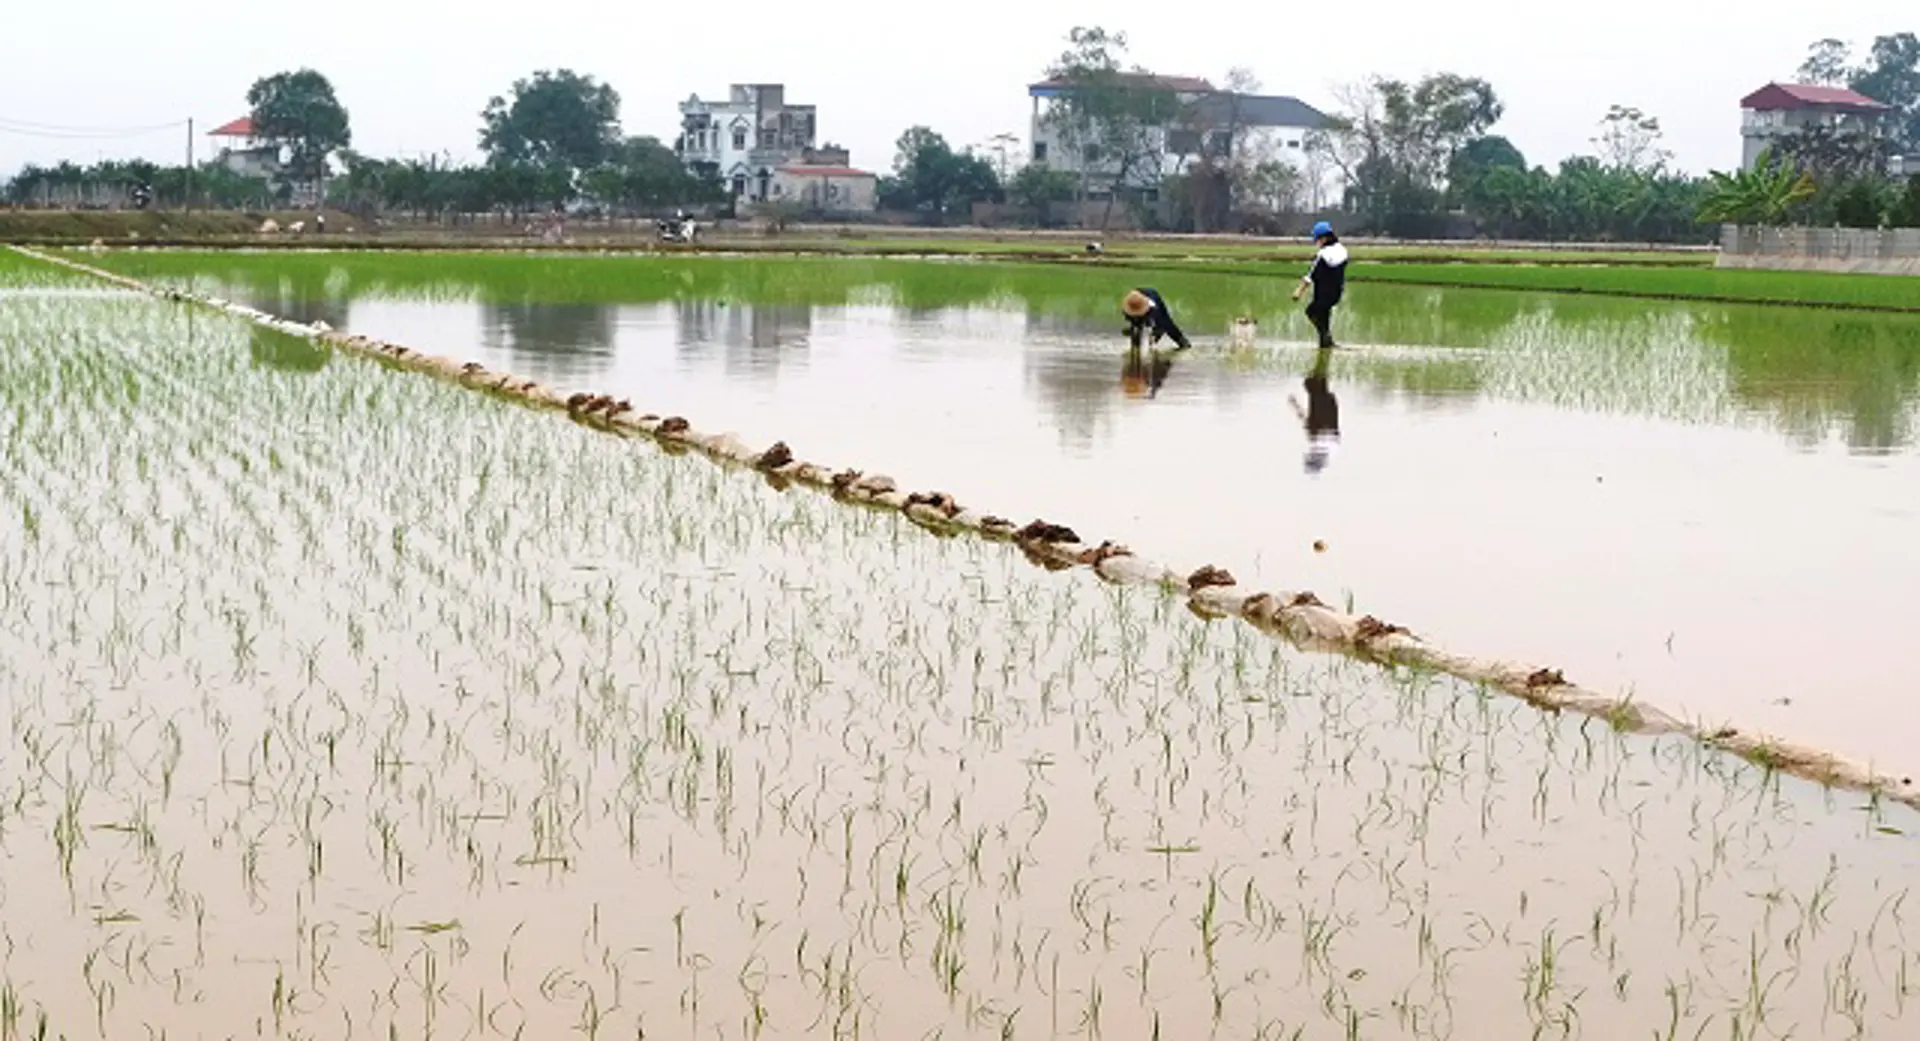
x,y
242,127
1775,96
1177,84
1260,110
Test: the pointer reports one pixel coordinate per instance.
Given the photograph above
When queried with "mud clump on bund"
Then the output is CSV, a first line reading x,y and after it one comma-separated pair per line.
x,y
1299,617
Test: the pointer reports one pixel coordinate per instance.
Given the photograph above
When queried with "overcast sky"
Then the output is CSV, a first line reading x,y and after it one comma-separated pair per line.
x,y
414,75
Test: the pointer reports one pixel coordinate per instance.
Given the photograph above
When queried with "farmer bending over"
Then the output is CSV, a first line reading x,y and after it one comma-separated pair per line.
x,y
1145,310
1328,280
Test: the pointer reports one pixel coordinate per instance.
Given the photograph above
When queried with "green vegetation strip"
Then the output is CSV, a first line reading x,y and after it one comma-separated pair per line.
x,y
1798,288
1887,293
1298,616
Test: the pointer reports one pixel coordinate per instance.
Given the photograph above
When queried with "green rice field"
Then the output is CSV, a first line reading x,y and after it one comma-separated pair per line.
x,y
1885,292
340,702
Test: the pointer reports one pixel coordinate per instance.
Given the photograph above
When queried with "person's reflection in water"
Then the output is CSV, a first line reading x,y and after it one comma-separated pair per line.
x,y
1321,414
1144,371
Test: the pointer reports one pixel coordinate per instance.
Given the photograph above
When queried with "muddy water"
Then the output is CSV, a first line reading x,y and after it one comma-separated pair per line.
x,y
1711,507
342,704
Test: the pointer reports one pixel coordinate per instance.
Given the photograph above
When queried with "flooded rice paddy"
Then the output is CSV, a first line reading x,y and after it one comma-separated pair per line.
x,y
1710,508
343,703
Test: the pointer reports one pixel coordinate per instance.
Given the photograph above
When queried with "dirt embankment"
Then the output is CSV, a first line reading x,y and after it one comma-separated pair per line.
x,y
227,229
121,226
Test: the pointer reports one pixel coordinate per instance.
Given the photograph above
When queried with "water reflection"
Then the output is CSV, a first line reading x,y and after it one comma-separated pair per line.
x,y
755,339
1811,375
1852,374
1145,371
1321,415
305,301
572,338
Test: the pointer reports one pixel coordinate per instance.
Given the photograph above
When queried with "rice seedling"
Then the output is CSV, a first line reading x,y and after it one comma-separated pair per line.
x,y
423,715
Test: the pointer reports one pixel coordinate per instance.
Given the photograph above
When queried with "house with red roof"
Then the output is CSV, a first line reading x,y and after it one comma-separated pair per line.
x,y
1778,110
242,152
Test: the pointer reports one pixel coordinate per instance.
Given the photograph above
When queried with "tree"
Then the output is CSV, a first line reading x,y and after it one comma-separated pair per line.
x,y
1864,203
1110,118
1477,160
643,173
556,121
1834,154
1036,187
1395,141
1827,64
1269,186
1763,195
1892,77
1433,119
297,111
929,177
1003,146
1629,139
1906,212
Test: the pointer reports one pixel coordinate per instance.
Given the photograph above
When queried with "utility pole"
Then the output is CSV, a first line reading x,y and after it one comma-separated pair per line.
x,y
189,200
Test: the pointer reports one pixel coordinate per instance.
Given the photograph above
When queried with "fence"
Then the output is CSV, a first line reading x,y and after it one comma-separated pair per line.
x,y
1894,251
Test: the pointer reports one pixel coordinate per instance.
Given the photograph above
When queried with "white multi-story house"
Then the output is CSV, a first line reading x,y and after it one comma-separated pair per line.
x,y
747,138
1781,109
1202,121
249,155
243,153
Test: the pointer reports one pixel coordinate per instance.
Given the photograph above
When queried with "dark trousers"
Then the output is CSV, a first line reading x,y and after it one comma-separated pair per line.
x,y
1320,313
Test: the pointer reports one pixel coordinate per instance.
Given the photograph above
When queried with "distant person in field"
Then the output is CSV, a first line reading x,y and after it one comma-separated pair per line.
x,y
1321,414
1147,312
1327,279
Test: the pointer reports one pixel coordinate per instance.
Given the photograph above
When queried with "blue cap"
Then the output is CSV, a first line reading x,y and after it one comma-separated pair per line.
x,y
1322,228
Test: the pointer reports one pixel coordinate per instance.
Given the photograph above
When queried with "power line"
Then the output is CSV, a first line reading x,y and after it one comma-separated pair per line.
x,y
30,128
77,128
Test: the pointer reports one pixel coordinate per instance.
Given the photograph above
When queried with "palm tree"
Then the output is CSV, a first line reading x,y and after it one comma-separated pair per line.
x,y
1763,195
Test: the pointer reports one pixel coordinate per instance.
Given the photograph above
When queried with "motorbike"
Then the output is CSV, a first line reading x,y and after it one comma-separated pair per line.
x,y
677,229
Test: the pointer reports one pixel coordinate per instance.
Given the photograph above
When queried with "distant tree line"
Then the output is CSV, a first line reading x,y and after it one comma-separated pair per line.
x,y
553,141
1411,158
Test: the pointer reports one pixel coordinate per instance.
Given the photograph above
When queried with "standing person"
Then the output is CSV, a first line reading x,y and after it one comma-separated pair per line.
x,y
1327,279
1146,310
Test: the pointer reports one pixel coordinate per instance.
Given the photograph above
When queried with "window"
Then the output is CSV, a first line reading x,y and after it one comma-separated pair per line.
x,y
739,185
739,139
1039,151
1092,153
766,138
1293,144
1220,142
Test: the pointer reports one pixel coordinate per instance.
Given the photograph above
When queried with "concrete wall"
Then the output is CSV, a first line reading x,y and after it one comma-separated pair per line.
x,y
835,193
1895,251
